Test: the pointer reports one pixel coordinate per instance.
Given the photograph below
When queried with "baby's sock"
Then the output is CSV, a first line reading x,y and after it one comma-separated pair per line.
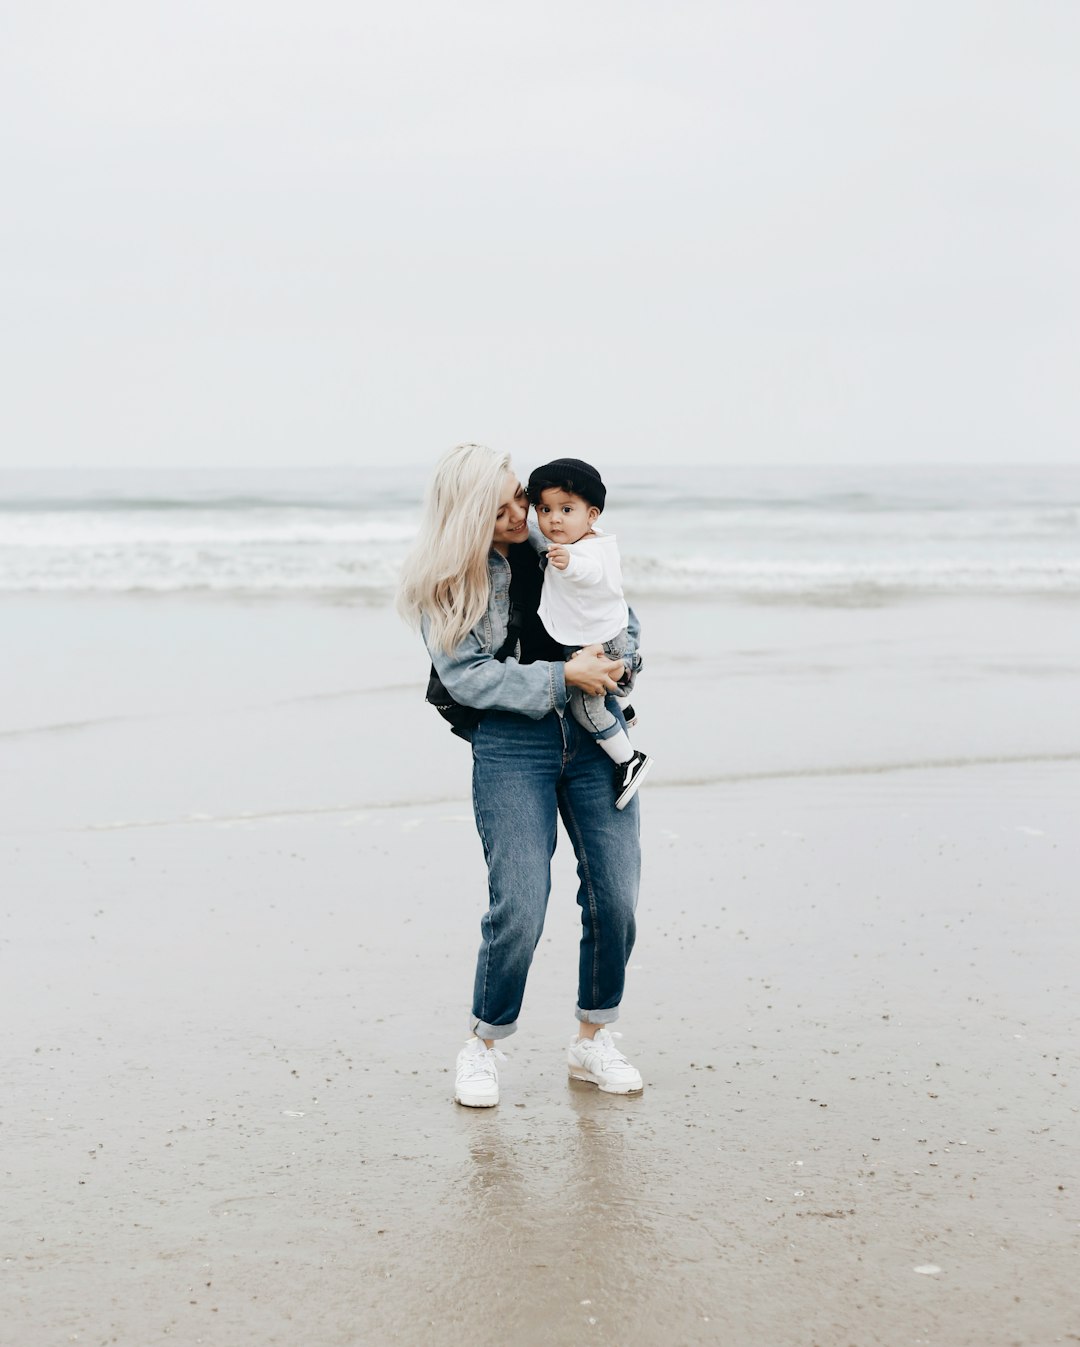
x,y
617,746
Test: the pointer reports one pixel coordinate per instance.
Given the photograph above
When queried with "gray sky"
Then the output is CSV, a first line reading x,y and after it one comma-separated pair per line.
x,y
241,233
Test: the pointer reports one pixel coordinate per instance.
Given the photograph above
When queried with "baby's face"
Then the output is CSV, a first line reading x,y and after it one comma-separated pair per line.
x,y
564,517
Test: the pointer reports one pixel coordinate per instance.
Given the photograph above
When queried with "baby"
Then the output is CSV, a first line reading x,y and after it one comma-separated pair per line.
x,y
582,604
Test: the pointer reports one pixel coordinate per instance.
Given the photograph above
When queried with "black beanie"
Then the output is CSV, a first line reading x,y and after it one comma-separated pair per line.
x,y
570,474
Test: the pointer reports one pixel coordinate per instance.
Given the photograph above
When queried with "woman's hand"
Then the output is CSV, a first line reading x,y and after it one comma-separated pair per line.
x,y
593,674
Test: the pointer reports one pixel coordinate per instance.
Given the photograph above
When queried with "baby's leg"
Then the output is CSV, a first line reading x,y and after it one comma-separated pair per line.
x,y
630,766
592,714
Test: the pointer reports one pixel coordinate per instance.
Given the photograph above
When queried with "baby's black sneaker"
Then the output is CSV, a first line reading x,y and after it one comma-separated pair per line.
x,y
628,776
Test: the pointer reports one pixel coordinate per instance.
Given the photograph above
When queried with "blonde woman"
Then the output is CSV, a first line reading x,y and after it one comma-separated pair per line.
x,y
472,584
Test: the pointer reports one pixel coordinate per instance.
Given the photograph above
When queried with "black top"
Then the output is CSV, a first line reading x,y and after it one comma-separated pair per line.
x,y
526,582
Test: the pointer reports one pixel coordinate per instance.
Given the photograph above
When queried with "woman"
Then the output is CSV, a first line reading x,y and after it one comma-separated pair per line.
x,y
474,563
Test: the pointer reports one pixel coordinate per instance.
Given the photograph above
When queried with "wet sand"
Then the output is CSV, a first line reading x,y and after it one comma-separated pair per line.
x,y
228,1043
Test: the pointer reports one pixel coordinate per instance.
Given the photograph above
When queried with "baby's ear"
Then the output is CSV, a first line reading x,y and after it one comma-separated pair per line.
x,y
594,515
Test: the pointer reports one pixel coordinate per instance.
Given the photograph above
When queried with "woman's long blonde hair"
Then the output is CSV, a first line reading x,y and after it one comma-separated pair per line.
x,y
445,577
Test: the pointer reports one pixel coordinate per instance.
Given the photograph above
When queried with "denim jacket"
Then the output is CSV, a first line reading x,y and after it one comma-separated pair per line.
x,y
474,677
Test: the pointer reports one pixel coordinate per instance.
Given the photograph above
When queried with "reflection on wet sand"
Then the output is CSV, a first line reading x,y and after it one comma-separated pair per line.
x,y
579,1169
562,1209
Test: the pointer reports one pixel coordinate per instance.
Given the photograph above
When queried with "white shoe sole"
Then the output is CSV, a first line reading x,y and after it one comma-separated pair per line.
x,y
579,1073
474,1102
632,789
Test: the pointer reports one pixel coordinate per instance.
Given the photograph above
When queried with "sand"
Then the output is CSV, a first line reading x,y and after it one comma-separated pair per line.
x,y
228,1039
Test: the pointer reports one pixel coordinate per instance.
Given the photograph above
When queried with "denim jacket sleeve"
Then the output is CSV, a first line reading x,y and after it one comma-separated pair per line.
x,y
474,677
632,654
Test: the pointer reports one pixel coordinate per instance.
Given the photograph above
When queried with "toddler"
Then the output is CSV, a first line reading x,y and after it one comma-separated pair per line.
x,y
582,604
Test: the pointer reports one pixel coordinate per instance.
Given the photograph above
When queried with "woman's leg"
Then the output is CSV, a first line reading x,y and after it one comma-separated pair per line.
x,y
608,851
516,768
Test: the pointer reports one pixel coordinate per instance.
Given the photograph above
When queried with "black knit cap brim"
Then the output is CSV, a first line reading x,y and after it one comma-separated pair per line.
x,y
569,474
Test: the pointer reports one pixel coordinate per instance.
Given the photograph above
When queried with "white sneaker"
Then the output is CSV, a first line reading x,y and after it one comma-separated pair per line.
x,y
477,1082
599,1061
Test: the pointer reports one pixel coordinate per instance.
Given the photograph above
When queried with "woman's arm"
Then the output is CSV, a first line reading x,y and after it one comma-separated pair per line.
x,y
474,677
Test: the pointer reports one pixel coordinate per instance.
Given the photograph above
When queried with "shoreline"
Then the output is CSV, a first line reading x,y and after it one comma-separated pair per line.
x,y
746,778
269,709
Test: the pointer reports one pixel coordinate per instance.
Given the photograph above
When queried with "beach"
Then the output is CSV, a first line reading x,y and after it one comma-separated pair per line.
x,y
301,300
242,889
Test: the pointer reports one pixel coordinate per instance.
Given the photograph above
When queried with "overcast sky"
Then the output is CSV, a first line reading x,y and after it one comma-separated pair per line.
x,y
240,232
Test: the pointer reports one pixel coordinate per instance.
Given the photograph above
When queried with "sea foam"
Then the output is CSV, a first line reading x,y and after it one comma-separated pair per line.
x,y
824,534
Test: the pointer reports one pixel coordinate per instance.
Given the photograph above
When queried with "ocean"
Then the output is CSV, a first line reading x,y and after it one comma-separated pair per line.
x,y
796,534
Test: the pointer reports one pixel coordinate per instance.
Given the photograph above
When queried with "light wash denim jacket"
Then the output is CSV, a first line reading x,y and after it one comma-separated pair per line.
x,y
474,677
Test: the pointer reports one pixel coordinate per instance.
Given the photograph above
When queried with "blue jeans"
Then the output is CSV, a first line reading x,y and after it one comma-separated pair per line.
x,y
526,774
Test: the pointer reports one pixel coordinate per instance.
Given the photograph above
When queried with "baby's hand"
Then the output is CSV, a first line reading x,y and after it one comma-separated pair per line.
x,y
558,556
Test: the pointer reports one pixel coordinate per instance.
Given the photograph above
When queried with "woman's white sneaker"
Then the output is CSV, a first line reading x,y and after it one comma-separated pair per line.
x,y
476,1084
599,1061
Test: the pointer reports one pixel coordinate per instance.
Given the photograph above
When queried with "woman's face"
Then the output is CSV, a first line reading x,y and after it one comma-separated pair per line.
x,y
511,522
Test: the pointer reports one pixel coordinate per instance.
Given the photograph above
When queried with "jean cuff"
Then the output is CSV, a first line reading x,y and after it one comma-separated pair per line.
x,y
482,1030
597,1016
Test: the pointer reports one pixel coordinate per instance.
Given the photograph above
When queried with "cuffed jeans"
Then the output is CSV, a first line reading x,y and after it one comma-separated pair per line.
x,y
526,774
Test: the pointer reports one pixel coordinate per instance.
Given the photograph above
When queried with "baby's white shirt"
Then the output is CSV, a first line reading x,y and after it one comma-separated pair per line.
x,y
584,604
